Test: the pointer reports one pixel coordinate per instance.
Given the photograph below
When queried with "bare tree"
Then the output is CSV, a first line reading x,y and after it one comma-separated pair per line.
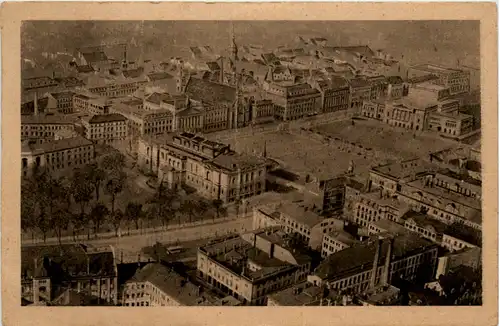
x,y
98,216
134,213
114,185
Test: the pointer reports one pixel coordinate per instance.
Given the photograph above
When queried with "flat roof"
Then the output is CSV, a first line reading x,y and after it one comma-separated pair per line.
x,y
390,226
300,214
400,170
62,144
46,119
303,294
434,68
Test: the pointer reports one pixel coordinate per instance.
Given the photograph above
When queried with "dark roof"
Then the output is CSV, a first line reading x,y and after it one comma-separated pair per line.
x,y
133,73
65,261
206,91
157,98
159,76
63,94
212,65
363,50
359,82
85,69
29,107
334,82
269,58
46,119
424,220
70,81
395,80
100,118
169,282
422,79
62,144
95,56
360,257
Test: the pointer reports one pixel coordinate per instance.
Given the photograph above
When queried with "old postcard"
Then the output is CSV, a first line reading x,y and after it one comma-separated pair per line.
x,y
195,163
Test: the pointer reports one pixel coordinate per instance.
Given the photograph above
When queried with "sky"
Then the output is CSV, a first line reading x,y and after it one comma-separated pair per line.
x,y
442,42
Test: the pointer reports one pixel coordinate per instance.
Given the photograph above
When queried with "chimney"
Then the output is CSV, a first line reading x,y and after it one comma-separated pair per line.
x,y
386,272
35,104
375,263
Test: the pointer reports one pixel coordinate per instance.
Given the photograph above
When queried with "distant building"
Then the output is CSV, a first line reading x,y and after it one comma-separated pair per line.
x,y
336,241
335,94
377,261
307,225
106,128
216,171
57,155
40,84
372,206
386,226
64,101
458,81
360,92
48,271
395,87
293,101
450,238
471,257
91,104
42,128
252,266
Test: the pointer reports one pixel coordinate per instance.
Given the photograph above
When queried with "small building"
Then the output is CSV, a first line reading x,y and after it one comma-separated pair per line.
x,y
337,241
42,128
106,128
304,294
57,155
457,80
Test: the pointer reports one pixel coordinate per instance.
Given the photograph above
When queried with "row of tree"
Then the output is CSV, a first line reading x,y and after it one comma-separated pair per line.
x,y
47,202
46,199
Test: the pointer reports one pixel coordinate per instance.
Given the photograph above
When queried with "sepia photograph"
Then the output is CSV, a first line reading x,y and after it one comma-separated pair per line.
x,y
231,163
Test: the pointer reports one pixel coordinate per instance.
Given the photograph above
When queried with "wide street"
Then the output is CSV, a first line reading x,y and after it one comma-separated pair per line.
x,y
129,247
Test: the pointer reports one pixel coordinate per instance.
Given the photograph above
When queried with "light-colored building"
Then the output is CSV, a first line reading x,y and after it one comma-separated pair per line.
x,y
64,101
386,226
335,93
106,128
361,90
42,128
337,241
452,124
457,80
373,206
216,171
91,104
410,112
157,285
252,266
293,218
57,155
441,233
293,100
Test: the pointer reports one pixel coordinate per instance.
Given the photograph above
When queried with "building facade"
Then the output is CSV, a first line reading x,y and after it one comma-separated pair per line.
x,y
106,129
42,128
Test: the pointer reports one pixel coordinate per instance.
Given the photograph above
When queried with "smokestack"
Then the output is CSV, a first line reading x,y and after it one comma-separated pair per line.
x,y
386,272
35,103
373,277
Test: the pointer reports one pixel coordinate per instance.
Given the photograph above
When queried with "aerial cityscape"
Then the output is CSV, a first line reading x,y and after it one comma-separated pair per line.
x,y
250,163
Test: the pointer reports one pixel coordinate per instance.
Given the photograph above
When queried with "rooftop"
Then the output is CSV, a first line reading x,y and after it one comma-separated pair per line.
x,y
169,282
394,80
97,56
62,144
206,91
390,226
435,69
418,101
344,237
404,169
159,76
103,118
301,215
360,257
232,161
66,261
46,119
359,82
422,79
304,294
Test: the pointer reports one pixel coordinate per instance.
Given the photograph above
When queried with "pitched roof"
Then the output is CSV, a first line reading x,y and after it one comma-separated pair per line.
x,y
133,73
232,161
96,56
84,69
101,118
394,80
46,119
159,76
157,98
62,144
212,65
359,82
206,91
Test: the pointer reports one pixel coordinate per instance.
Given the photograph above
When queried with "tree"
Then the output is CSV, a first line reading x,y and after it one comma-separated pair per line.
x,y
116,219
44,225
28,209
95,175
190,208
114,185
98,215
81,189
79,221
114,161
133,212
60,221
217,203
